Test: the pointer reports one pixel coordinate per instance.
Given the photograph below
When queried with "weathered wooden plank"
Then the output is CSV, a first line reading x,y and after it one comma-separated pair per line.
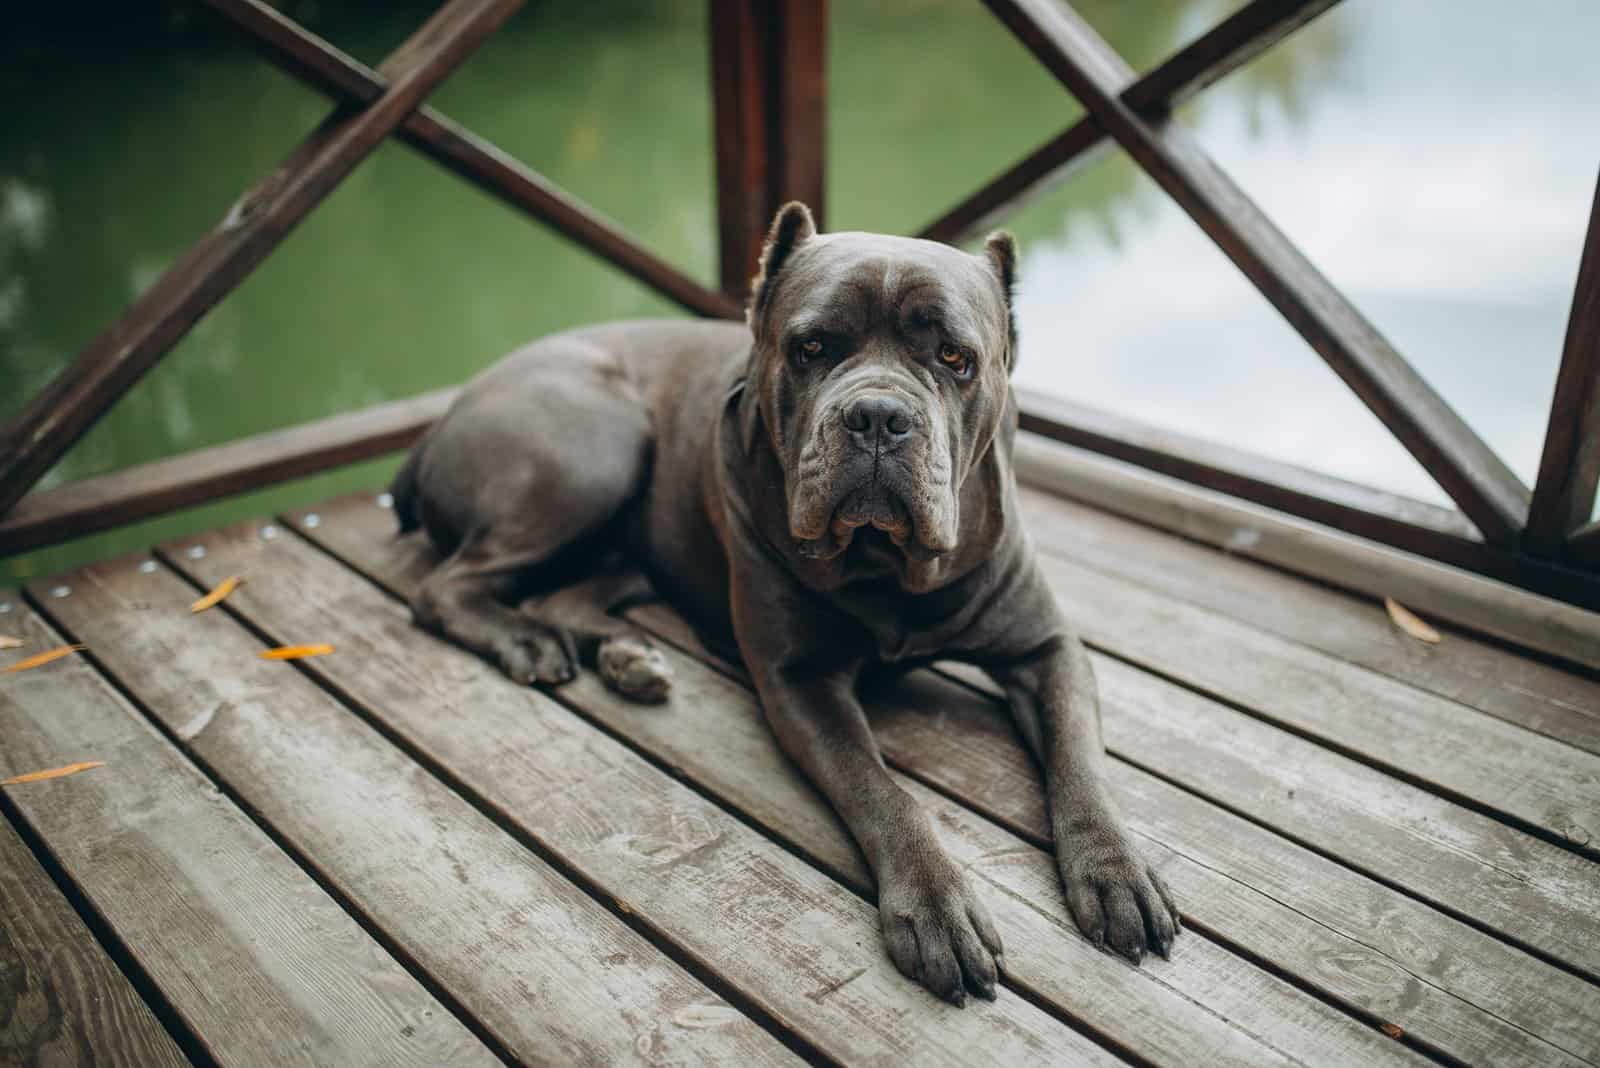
x,y
1448,747
1448,449
441,139
256,960
62,1000
1489,677
253,227
1569,467
768,87
716,737
1224,48
1438,592
1360,943
793,942
204,475
528,955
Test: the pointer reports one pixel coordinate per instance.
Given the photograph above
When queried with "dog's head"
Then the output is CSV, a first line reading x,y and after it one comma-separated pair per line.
x,y
880,377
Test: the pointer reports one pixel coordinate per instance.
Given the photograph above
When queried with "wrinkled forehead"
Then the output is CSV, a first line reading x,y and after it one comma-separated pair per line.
x,y
858,282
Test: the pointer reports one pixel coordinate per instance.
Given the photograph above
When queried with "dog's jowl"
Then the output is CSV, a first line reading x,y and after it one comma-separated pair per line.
x,y
826,488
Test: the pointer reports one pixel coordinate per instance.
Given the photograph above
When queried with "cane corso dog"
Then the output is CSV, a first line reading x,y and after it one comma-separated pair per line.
x,y
828,488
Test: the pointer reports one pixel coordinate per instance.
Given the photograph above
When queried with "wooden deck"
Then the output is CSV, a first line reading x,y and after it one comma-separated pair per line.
x,y
1385,851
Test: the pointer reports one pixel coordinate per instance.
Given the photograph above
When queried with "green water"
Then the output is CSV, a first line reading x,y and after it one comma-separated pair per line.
x,y
1441,173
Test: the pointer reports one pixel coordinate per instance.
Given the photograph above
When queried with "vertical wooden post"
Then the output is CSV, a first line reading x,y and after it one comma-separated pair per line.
x,y
1563,497
769,91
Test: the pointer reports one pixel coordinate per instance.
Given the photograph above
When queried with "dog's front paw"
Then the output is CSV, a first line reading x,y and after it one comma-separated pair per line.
x,y
635,669
939,933
1116,899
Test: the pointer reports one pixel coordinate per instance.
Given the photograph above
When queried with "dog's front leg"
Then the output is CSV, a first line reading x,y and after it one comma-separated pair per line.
x,y
1115,897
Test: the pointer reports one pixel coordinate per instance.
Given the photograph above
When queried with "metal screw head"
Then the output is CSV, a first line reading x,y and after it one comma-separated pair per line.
x,y
195,552
385,500
61,591
269,532
148,567
312,520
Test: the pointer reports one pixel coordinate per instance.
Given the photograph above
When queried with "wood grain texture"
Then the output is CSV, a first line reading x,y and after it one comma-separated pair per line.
x,y
1467,469
1448,747
785,936
252,228
257,961
1358,942
1488,677
1227,46
715,736
532,958
1431,589
62,1000
463,152
203,475
1569,466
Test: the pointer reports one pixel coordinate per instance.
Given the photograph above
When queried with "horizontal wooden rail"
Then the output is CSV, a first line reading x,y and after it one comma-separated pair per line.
x,y
1227,46
202,475
1563,495
1448,449
463,152
262,218
1415,526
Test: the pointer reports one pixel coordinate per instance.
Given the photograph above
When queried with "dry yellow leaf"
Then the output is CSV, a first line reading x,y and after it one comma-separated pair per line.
x,y
44,658
53,773
218,592
295,652
1406,621
8,642
1392,1030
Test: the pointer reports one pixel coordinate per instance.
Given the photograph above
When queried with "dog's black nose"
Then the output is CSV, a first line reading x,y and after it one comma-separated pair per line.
x,y
878,416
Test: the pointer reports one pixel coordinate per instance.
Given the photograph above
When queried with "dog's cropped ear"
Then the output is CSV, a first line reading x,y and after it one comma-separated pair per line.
x,y
1000,249
791,228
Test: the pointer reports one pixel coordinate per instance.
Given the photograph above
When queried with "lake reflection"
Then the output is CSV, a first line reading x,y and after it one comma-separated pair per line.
x,y
1438,167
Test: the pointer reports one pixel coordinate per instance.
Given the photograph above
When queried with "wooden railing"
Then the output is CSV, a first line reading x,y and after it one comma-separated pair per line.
x,y
769,92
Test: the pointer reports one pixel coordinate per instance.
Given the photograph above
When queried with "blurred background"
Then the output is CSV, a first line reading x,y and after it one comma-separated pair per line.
x,y
1436,161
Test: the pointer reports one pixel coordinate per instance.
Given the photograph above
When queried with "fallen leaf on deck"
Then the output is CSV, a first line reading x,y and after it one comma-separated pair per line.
x,y
53,773
8,642
221,590
1392,1030
1406,621
295,652
44,658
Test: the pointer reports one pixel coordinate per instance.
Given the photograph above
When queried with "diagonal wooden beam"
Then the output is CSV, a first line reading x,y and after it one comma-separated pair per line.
x,y
1583,547
463,152
253,227
1467,469
1226,47
1563,496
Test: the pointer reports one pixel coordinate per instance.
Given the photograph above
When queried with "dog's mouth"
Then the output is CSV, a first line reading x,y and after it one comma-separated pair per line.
x,y
873,506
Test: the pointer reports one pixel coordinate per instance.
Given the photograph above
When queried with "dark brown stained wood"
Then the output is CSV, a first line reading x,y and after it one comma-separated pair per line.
x,y
257,961
528,955
1350,506
1488,677
1563,495
1434,590
1447,746
1227,46
62,1000
768,85
441,139
790,939
1467,469
203,475
253,227
714,735
1358,942
1584,545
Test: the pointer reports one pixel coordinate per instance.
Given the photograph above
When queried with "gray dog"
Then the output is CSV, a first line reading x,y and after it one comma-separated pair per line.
x,y
830,487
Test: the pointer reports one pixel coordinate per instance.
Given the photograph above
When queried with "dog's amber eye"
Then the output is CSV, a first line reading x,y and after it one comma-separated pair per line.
x,y
808,349
956,360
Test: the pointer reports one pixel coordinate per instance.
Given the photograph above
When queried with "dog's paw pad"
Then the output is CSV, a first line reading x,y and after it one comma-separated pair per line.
x,y
635,669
